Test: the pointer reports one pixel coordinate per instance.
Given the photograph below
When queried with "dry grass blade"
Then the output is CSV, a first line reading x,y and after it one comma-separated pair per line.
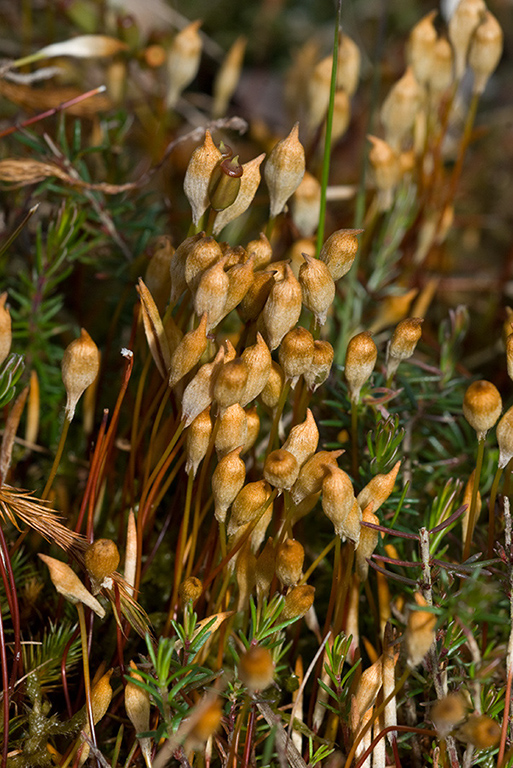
x,y
20,173
129,607
33,99
17,504
154,330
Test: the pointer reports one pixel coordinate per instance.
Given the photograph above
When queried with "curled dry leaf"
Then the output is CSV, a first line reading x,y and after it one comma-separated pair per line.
x,y
154,330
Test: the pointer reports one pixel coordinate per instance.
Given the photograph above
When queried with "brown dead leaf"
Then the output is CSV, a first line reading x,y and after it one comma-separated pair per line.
x,y
41,99
20,173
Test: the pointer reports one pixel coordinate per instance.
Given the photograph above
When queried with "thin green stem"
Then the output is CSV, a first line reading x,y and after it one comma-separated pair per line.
x,y
270,227
57,459
473,502
318,560
85,663
327,135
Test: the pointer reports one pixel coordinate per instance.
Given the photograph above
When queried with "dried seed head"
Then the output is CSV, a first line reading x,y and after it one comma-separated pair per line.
x,y
377,490
190,590
258,362
361,356
289,562
367,544
320,368
298,602
421,45
303,439
80,366
227,480
235,254
261,250
341,116
480,731
264,570
253,428
420,632
317,286
177,265
248,504
211,293
203,254
254,300
386,169
462,25
197,439
403,343
240,278
5,328
188,352
306,204
101,559
348,65
368,686
400,109
197,177
199,392
482,407
245,574
232,431
67,584
504,437
228,77
284,170
318,92
101,696
281,469
256,668
296,353
313,473
485,51
230,383
157,276
137,706
282,309
206,722
448,712
339,251
441,76
249,184
270,394
337,498
183,61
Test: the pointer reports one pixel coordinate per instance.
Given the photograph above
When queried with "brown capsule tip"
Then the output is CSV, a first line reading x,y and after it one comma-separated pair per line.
x,y
256,668
101,558
482,406
480,731
298,602
281,469
190,590
289,562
